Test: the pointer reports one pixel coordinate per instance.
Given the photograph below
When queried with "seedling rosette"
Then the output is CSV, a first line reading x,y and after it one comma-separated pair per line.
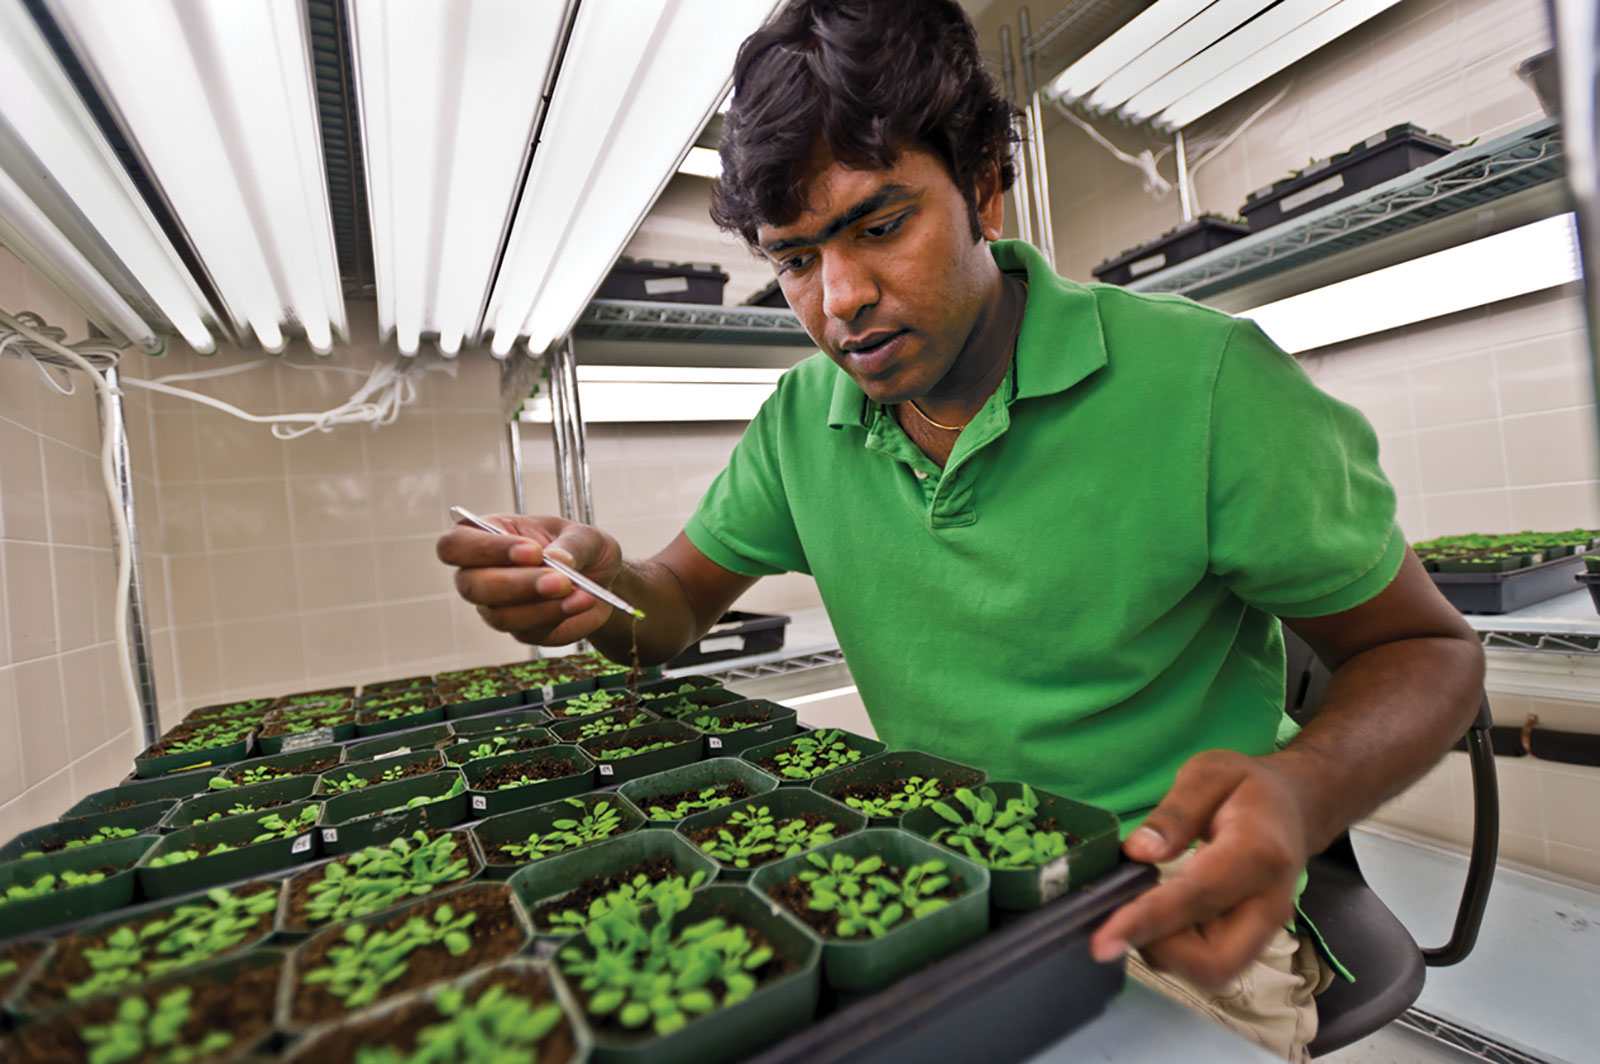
x,y
799,759
205,855
470,698
732,729
375,958
312,762
335,723
66,835
703,984
497,723
517,780
513,1012
214,806
71,885
564,893
748,834
685,696
431,737
888,786
398,712
360,775
579,731
644,749
477,747
666,798
512,840
215,1013
884,903
1036,845
117,954
378,814
589,704
194,745
244,709
377,878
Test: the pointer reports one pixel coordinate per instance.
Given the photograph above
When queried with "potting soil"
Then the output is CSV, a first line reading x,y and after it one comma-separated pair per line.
x,y
732,791
812,821
496,778
20,954
596,887
796,897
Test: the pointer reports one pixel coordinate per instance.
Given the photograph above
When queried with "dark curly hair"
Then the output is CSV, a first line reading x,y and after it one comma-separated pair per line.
x,y
862,78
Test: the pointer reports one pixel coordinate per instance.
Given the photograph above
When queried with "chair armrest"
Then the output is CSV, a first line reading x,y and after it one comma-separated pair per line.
x,y
1485,846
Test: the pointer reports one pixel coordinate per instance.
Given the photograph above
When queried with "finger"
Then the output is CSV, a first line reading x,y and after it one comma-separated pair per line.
x,y
1221,948
467,547
510,586
580,546
1202,784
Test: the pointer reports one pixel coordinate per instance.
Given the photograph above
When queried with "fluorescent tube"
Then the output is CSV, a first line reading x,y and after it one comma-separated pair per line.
x,y
1142,32
701,162
1530,258
1179,46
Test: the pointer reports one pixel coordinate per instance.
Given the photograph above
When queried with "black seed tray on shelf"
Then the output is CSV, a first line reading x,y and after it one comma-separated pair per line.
x,y
736,635
1383,157
1509,591
1194,237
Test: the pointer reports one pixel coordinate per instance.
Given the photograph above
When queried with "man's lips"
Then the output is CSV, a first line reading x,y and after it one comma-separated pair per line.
x,y
872,352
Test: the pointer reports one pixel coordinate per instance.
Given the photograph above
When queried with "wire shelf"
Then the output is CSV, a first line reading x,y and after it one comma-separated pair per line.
x,y
1461,181
1546,642
779,667
626,319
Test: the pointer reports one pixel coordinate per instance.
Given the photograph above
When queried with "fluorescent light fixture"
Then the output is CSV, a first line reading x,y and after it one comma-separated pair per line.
x,y
638,80
1528,259
1182,44
52,149
1246,69
217,99
1142,32
449,100
701,162
664,393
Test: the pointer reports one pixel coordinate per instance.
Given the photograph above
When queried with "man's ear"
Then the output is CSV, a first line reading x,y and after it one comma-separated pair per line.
x,y
990,200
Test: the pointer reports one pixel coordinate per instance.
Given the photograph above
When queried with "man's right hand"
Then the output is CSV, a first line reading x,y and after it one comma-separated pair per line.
x,y
514,592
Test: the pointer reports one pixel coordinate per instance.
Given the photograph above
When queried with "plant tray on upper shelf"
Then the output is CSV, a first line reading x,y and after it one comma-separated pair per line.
x,y
1504,592
1194,237
1382,157
736,635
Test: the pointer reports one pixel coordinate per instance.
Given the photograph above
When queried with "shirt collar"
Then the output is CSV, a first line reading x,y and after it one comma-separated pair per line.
x,y
1060,343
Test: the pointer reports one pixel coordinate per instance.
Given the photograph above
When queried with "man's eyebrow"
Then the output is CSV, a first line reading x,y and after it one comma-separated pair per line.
x,y
884,197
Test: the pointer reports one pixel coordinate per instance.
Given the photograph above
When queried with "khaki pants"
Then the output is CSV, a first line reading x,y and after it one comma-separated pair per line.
x,y
1271,1003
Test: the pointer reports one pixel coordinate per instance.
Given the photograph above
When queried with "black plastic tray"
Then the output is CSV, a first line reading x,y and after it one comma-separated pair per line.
x,y
1506,592
664,282
758,633
1194,237
1003,998
1379,158
769,296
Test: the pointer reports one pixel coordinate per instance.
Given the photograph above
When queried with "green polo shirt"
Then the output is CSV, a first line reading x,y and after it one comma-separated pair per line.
x,y
1085,596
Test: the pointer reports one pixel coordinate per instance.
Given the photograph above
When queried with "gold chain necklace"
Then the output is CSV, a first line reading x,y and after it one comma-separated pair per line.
x,y
1016,326
929,420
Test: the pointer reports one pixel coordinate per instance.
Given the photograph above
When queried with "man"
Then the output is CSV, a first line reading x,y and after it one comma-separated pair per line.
x,y
1055,526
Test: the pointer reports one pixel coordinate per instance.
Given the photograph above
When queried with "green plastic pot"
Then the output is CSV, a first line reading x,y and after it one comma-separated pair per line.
x,y
146,767
44,1035
288,928
461,752
478,707
244,707
358,819
500,898
365,727
139,819
296,762
662,698
756,754
713,772
895,765
375,768
687,748
777,1009
489,803
553,878
429,738
777,722
785,804
407,683
862,965
1020,890
490,723
124,796
340,732
1486,565
563,712
620,678
28,999
375,1028
195,810
571,731
248,860
523,824
73,903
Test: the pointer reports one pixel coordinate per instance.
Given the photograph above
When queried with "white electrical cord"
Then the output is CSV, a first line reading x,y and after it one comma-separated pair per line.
x,y
1145,162
52,350
1210,152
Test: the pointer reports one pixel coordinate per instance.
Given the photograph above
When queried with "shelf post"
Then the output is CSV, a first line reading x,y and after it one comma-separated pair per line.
x,y
1575,28
1019,183
1041,174
113,421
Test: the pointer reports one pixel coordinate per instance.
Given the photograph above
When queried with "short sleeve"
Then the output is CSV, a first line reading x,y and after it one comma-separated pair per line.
x,y
744,523
1300,517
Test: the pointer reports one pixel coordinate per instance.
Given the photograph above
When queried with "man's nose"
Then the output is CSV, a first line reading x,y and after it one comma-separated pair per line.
x,y
848,287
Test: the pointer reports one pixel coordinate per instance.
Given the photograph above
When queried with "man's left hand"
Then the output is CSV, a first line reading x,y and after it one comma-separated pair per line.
x,y
1217,913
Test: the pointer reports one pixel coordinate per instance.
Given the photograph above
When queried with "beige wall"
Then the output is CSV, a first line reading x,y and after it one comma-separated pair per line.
x,y
65,728
678,229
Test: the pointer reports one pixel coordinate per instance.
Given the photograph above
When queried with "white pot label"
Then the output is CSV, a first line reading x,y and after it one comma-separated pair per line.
x,y
301,845
657,286
330,835
607,770
392,753
307,740
1053,878
547,692
713,742
479,802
